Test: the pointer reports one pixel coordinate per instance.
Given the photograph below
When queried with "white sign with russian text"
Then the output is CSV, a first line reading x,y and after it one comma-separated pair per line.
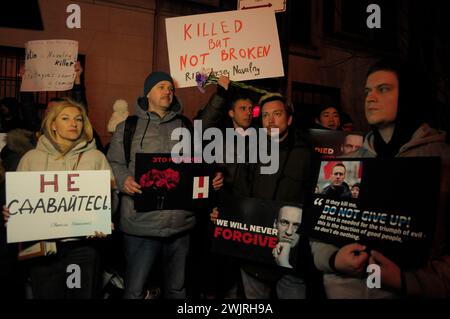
x,y
57,204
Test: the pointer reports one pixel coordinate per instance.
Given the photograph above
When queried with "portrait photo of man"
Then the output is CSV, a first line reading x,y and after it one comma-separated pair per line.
x,y
338,188
287,223
352,143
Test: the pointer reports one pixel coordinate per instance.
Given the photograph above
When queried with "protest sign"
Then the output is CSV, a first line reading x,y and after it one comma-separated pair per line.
x,y
57,204
49,65
166,184
258,230
393,212
232,43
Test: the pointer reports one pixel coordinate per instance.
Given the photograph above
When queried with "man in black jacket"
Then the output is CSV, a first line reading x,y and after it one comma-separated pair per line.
x,y
291,183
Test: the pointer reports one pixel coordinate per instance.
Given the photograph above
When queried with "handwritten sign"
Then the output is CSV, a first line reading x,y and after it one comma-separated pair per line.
x,y
233,43
60,204
49,65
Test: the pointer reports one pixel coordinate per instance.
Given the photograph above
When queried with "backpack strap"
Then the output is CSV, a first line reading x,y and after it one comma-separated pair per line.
x,y
185,122
130,128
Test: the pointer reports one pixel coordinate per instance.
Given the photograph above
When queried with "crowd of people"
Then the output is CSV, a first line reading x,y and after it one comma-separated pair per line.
x,y
166,242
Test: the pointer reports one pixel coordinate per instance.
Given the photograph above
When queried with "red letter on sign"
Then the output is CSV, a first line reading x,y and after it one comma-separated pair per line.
x,y
200,187
54,183
70,182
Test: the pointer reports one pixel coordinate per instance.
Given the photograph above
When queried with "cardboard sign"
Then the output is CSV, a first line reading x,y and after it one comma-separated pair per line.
x,y
59,204
233,43
259,230
169,185
393,212
49,65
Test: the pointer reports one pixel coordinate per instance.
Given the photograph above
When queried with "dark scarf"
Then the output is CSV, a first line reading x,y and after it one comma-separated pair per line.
x,y
400,137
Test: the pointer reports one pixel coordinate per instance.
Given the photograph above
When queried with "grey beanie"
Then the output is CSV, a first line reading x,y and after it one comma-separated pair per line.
x,y
153,79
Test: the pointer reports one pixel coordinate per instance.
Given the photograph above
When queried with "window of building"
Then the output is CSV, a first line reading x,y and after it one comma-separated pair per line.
x,y
300,21
347,20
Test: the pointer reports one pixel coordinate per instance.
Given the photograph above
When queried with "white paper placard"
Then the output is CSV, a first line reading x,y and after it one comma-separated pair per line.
x,y
241,44
49,65
57,204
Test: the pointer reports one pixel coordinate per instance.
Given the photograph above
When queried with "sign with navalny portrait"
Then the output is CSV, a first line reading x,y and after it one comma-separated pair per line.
x,y
389,205
259,230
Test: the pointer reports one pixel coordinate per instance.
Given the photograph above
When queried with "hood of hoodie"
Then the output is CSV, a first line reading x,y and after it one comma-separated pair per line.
x,y
142,112
424,135
45,145
20,141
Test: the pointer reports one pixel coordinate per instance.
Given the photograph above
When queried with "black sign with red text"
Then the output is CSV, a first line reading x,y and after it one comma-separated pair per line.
x,y
169,184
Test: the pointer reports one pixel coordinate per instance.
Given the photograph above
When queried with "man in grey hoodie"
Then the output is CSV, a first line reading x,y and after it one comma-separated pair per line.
x,y
156,233
395,109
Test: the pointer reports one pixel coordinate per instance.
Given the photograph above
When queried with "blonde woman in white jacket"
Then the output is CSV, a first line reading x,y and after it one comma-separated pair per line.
x,y
66,144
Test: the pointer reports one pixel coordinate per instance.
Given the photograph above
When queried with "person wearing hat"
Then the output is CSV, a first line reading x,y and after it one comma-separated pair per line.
x,y
394,108
120,114
160,233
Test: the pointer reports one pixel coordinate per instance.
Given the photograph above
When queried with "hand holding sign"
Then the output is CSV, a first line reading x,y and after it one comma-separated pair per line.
x,y
281,254
351,259
131,187
5,213
390,272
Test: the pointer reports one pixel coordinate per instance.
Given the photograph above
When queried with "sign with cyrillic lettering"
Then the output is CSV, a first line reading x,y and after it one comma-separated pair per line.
x,y
57,204
168,183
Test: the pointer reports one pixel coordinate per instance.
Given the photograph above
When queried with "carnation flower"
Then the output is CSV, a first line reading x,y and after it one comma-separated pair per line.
x,y
203,79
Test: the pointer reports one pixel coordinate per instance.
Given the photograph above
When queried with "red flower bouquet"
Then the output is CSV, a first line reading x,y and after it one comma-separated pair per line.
x,y
161,181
